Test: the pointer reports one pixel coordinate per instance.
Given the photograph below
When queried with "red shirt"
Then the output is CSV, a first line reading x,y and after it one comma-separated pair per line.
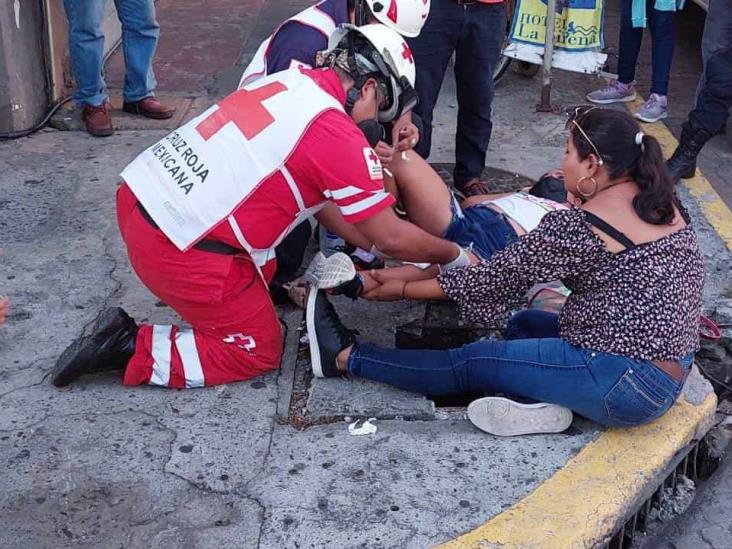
x,y
332,161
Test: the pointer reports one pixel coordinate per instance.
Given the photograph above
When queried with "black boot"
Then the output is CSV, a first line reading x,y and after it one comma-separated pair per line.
x,y
326,333
682,163
109,347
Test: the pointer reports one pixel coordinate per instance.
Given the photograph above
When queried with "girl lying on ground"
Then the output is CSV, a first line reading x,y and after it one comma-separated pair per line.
x,y
622,346
483,224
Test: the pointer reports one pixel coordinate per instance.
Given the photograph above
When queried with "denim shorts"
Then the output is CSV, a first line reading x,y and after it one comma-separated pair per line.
x,y
480,229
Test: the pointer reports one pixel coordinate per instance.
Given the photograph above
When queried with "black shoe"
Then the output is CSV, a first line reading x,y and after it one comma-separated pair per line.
x,y
109,347
327,335
682,164
352,288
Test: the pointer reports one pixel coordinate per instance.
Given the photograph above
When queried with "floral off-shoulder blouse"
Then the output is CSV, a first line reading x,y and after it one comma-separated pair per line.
x,y
643,302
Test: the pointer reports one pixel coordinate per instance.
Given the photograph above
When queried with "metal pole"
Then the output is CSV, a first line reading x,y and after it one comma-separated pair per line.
x,y
546,88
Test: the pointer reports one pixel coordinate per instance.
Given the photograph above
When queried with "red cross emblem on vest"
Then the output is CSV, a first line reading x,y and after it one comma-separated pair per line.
x,y
407,53
245,109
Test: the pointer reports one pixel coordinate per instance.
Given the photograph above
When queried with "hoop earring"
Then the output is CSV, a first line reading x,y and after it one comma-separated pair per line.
x,y
581,192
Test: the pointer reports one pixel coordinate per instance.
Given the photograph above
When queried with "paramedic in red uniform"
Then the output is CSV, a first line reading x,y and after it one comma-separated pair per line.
x,y
296,42
202,210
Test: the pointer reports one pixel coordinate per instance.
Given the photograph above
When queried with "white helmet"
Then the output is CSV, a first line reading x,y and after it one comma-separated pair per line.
x,y
376,50
407,17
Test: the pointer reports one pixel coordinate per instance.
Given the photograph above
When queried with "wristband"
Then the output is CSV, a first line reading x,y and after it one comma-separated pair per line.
x,y
461,260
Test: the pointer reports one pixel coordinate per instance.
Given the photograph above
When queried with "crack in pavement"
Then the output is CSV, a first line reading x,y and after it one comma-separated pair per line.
x,y
202,487
36,384
74,415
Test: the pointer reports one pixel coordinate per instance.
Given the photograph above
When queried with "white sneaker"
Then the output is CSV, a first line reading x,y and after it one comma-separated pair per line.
x,y
328,272
507,418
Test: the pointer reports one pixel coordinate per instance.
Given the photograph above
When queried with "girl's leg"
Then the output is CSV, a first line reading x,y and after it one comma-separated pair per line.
x,y
423,193
663,35
630,43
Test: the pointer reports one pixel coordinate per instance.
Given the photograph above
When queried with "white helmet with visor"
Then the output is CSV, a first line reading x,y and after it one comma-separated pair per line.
x,y
376,51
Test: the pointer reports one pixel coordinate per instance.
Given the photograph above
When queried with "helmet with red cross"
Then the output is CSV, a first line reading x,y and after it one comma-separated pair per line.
x,y
378,51
407,17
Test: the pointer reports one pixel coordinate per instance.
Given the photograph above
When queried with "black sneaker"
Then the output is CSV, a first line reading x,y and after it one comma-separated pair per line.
x,y
109,347
352,288
327,335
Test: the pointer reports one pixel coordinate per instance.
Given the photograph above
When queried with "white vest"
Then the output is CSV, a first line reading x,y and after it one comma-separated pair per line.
x,y
312,17
198,175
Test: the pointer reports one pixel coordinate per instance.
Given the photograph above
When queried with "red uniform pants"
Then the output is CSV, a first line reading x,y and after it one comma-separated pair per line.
x,y
235,333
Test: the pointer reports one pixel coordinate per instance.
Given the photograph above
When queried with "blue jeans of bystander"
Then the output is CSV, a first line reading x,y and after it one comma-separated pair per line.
x,y
140,33
663,34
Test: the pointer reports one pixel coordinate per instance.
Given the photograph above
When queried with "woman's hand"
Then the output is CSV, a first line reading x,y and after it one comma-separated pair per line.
x,y
369,282
405,136
474,259
387,289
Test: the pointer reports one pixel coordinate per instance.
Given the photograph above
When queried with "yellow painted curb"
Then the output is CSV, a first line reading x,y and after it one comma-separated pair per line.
x,y
580,505
713,207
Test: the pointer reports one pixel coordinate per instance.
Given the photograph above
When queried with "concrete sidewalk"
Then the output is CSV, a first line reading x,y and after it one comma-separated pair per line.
x,y
98,465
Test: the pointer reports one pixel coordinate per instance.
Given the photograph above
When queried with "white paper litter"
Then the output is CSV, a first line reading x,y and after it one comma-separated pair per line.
x,y
368,428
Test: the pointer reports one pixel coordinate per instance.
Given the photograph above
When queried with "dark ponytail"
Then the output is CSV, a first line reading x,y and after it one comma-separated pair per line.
x,y
614,133
656,199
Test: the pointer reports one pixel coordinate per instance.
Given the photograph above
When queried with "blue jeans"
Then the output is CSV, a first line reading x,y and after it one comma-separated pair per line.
x,y
480,229
140,33
474,33
662,28
609,389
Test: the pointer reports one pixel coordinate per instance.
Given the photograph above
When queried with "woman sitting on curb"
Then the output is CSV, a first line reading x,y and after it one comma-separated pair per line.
x,y
623,345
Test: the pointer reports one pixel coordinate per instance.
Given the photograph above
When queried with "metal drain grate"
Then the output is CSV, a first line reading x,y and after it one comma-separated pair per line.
x,y
694,462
